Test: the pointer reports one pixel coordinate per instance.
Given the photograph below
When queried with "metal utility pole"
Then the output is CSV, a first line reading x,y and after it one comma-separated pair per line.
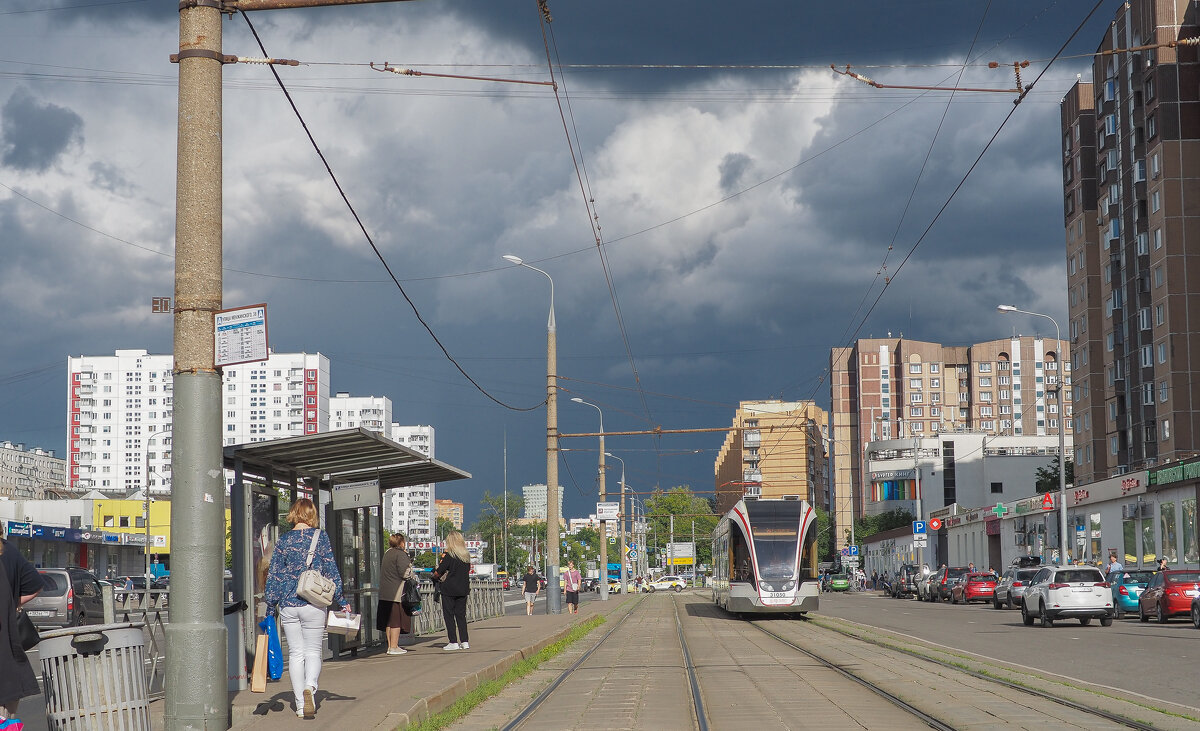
x,y
603,498
671,546
505,532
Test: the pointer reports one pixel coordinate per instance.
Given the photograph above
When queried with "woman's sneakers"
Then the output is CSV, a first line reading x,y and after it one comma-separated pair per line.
x,y
451,646
310,708
465,646
397,651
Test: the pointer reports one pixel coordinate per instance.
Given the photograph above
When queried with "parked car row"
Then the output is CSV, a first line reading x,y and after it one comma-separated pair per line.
x,y
1049,593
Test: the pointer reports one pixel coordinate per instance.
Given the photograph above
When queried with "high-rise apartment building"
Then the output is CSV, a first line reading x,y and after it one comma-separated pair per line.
x,y
535,501
887,388
1130,142
451,511
30,473
412,510
369,412
775,448
120,407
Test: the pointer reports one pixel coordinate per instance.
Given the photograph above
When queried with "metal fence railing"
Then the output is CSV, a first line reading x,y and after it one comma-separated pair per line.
x,y
485,600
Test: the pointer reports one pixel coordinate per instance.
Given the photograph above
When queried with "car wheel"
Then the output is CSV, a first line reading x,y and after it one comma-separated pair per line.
x,y
1162,618
1106,621
1085,621
678,588
650,589
1196,616
1009,601
996,603
1026,617
1047,621
1120,613
1142,614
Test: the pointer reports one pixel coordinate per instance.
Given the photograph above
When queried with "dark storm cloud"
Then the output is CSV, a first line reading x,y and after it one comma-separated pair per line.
x,y
33,133
733,167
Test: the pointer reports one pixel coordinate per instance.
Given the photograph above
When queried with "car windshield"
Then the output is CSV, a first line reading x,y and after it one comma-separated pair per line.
x,y
1137,577
56,580
776,528
1078,576
1183,577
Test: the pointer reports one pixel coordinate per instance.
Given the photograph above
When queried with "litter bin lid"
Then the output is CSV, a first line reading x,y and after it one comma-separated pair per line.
x,y
89,629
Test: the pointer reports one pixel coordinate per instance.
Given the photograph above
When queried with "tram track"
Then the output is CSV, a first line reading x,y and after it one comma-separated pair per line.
x,y
924,717
958,667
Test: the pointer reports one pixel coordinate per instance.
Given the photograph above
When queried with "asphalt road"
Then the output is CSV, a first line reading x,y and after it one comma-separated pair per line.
x,y
1155,660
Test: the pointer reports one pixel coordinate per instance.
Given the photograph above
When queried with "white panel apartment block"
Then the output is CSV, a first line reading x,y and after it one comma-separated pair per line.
x,y
411,510
120,407
369,412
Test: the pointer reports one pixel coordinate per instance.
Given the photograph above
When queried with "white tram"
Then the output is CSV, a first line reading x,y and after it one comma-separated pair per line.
x,y
765,557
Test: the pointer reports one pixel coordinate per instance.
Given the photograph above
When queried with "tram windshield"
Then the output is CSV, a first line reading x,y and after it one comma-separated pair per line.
x,y
776,527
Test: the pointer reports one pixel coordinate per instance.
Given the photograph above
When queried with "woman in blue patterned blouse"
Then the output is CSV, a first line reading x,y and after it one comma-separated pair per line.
x,y
303,623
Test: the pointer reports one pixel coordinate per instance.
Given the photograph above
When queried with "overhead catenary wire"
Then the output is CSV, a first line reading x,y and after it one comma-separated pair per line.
x,y
362,227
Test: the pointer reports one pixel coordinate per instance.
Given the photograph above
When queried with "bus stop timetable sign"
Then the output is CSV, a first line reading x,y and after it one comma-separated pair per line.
x,y
241,335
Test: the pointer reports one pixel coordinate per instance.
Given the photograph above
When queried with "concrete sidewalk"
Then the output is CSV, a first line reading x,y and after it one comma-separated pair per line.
x,y
385,692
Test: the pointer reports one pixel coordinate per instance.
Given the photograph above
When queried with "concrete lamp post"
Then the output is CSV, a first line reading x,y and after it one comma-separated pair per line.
x,y
603,498
553,590
1062,428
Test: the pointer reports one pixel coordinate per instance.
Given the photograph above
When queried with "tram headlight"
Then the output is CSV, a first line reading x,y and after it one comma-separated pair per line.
x,y
788,586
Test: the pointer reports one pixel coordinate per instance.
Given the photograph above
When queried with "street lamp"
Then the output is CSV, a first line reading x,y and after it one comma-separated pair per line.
x,y
553,590
146,508
621,519
603,498
1062,457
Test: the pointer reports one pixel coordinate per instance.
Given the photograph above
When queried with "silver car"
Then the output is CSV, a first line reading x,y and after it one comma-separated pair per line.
x,y
1061,592
71,597
1010,591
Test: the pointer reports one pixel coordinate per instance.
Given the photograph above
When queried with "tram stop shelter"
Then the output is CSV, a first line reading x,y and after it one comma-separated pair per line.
x,y
345,474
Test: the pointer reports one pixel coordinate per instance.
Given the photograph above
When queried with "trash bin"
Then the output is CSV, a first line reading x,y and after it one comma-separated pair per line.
x,y
95,678
235,626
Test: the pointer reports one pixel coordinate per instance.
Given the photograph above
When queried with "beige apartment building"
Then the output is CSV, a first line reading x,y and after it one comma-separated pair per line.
x,y
774,448
893,388
1131,211
451,511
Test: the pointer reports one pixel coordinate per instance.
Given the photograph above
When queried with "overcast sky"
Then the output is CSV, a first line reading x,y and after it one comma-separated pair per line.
x,y
746,212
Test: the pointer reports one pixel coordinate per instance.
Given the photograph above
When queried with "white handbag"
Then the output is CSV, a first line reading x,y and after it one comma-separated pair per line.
x,y
343,623
312,586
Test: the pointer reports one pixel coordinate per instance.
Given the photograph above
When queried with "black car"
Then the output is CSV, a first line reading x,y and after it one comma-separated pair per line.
x,y
590,584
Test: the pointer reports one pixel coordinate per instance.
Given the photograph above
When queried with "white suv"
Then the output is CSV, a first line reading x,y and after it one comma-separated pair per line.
x,y
666,582
1077,592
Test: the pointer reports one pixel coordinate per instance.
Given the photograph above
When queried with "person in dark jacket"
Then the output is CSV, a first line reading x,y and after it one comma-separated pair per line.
x,y
453,574
19,582
531,588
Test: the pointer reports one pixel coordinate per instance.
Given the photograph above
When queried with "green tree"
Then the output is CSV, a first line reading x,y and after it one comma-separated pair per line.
x,y
425,560
490,527
826,545
686,507
869,525
1047,477
443,527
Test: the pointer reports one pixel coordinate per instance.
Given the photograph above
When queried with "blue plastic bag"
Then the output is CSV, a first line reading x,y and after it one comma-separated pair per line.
x,y
274,648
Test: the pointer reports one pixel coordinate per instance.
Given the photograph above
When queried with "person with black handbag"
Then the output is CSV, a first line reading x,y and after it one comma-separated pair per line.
x,y
452,577
19,582
395,569
302,549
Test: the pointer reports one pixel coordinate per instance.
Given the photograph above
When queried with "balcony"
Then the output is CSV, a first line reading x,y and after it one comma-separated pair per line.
x,y
295,400
86,388
751,438
751,476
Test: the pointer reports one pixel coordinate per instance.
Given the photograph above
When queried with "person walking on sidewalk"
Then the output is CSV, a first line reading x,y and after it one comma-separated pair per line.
x,y
303,623
391,619
571,583
19,582
531,587
453,574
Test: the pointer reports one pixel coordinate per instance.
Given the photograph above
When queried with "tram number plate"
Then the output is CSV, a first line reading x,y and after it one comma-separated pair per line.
x,y
777,595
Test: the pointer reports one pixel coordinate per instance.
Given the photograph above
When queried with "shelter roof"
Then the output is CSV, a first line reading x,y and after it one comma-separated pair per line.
x,y
348,455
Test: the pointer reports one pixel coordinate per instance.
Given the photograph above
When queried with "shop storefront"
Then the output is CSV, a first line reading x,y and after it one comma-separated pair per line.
x,y
104,553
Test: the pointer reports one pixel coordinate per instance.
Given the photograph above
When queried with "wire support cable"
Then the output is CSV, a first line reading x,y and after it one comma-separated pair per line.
x,y
362,227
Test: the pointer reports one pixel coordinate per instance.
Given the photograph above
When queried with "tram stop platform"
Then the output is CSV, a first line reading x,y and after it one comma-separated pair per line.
x,y
386,692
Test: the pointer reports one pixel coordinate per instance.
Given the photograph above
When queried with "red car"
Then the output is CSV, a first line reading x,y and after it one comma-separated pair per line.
x,y
1169,594
977,587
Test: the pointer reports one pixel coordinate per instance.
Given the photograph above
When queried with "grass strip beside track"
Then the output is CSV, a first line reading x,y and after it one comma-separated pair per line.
x,y
976,664
483,692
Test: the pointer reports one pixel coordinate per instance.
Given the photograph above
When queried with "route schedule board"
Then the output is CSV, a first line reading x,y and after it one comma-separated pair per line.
x,y
240,335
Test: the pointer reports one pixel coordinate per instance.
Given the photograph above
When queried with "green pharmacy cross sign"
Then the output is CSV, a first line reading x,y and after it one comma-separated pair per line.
x,y
999,510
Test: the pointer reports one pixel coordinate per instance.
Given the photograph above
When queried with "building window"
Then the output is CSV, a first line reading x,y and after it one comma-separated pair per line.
x,y
935,383
1158,277
1151,127
915,398
1162,391
914,383
914,367
934,368
1162,352
1159,315
1147,356
997,488
985,367
1155,202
